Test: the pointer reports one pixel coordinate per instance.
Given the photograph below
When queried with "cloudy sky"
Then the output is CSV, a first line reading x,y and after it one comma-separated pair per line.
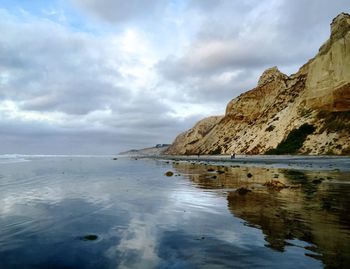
x,y
102,76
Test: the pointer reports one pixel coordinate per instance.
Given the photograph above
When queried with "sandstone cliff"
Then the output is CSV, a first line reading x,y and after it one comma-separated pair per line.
x,y
260,119
187,141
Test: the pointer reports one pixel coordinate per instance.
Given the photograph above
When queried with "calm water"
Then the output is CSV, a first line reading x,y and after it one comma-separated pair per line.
x,y
194,219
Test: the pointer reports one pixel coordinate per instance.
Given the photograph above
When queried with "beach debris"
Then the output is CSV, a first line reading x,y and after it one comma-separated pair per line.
x,y
275,184
169,174
89,237
243,191
210,169
220,172
249,175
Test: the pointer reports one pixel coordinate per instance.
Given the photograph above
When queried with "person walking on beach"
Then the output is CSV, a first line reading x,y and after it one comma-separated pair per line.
x,y
233,155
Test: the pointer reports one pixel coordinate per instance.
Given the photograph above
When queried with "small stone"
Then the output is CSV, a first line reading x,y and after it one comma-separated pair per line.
x,y
242,191
274,184
295,186
249,175
169,174
316,181
89,237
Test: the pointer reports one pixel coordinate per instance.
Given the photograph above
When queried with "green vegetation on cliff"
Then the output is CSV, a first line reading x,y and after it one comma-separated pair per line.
x,y
294,140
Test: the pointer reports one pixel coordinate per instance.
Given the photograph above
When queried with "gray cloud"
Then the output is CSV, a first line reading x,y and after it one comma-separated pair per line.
x,y
119,10
49,69
41,138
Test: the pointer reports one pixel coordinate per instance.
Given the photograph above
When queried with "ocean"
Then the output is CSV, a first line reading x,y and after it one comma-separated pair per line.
x,y
96,212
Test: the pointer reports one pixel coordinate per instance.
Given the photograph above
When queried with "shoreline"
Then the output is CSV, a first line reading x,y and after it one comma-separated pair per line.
x,y
298,162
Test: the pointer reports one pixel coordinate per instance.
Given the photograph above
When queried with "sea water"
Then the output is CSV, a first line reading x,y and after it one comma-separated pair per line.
x,y
96,212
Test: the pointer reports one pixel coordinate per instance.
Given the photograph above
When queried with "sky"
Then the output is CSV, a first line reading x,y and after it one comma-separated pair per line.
x,y
104,76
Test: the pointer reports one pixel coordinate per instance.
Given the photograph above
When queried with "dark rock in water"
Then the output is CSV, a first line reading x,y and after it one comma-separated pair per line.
x,y
89,237
169,174
249,175
242,191
114,159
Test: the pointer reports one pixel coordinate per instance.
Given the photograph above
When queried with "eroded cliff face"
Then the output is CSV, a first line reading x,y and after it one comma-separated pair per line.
x,y
185,143
258,120
327,85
